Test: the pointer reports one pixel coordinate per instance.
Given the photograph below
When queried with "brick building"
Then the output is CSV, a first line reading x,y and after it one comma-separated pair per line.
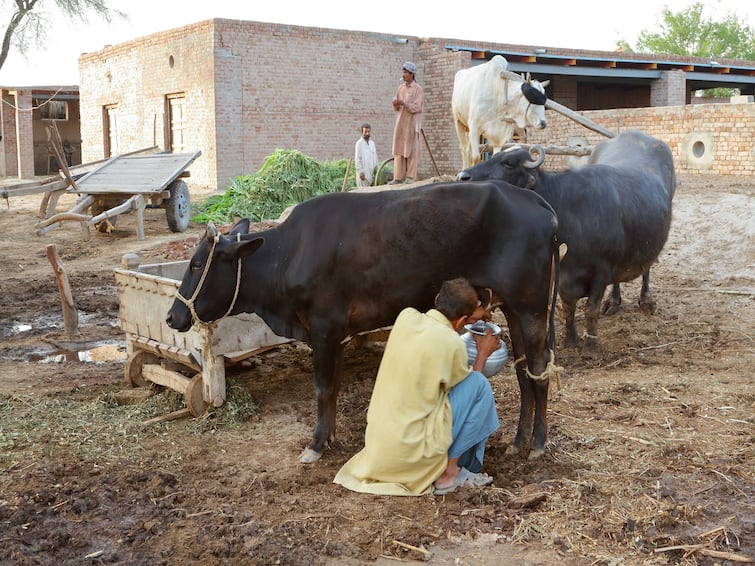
x,y
238,90
25,114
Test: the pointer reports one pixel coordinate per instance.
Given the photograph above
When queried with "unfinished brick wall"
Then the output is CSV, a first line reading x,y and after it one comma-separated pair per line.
x,y
704,138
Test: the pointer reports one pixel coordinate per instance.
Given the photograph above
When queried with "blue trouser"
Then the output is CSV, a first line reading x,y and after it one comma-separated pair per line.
x,y
474,420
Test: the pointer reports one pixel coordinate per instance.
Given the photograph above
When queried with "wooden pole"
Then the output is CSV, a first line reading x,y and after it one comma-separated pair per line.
x,y
70,314
578,151
569,113
427,145
346,176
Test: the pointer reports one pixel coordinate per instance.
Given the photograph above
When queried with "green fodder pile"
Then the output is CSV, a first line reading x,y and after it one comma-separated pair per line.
x,y
102,428
287,177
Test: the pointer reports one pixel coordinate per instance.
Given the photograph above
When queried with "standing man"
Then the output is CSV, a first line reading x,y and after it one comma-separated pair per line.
x,y
408,104
430,414
365,158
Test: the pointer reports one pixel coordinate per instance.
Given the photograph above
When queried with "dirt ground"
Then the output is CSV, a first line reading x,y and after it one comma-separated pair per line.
x,y
651,455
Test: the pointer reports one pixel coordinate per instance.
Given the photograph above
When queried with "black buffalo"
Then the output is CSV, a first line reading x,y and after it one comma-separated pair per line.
x,y
344,263
614,214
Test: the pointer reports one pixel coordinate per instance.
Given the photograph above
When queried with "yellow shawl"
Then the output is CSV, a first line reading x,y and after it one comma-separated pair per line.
x,y
409,419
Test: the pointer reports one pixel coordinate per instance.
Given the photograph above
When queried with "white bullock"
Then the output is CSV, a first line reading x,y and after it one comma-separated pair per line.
x,y
491,101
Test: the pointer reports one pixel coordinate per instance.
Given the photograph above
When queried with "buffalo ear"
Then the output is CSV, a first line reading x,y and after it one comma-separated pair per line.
x,y
241,248
249,247
545,83
241,227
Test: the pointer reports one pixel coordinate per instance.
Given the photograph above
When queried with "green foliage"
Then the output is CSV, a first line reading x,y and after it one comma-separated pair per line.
x,y
287,177
28,22
688,32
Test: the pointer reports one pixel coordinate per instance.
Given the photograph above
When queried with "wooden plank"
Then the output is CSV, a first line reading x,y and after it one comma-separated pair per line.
x,y
34,187
165,377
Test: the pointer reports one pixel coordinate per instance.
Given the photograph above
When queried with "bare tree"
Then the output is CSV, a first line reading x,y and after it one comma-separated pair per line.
x,y
28,22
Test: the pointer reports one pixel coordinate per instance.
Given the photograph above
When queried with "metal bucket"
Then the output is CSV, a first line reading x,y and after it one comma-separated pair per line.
x,y
497,359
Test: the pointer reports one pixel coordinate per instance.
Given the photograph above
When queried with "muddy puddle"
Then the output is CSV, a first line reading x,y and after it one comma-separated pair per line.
x,y
34,347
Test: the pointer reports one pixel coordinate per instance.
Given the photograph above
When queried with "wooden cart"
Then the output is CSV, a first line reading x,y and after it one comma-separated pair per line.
x,y
192,362
128,183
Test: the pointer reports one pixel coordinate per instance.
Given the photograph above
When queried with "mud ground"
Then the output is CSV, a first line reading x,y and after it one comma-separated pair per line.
x,y
651,456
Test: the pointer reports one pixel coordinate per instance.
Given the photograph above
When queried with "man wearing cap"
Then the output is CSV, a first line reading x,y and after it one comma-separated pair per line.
x,y
408,104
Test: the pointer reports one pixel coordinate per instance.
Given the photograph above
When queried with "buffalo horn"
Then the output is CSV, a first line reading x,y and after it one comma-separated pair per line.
x,y
537,161
212,232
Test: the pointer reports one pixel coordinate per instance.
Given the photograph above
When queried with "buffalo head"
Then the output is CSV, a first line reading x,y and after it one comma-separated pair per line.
x,y
211,284
514,165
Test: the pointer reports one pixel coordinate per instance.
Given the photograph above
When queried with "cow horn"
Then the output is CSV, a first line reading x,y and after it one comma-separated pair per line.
x,y
536,162
212,232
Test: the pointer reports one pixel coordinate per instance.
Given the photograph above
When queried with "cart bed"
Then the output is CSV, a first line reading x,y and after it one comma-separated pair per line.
x,y
134,174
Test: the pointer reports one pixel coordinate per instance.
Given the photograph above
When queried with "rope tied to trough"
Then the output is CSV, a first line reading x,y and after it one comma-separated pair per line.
x,y
551,370
191,300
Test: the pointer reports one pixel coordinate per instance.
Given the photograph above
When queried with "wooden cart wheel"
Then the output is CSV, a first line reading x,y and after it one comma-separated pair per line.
x,y
178,206
193,396
134,365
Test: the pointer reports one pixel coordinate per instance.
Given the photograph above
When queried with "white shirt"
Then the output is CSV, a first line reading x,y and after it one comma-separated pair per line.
x,y
365,161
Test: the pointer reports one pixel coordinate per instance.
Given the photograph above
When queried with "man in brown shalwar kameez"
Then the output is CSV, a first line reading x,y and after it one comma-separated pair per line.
x,y
408,104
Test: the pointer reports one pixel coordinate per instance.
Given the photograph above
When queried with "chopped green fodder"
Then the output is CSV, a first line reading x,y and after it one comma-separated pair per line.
x,y
286,178
101,429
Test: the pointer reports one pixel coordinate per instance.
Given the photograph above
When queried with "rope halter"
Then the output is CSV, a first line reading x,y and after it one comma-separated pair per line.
x,y
191,300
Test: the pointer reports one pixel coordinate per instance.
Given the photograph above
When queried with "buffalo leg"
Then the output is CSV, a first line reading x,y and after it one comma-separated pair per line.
x,y
540,436
526,414
529,337
569,309
526,394
647,302
327,360
612,304
592,312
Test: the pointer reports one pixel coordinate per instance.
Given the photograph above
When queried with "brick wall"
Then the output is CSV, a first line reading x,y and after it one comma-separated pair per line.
x,y
137,76
704,138
254,87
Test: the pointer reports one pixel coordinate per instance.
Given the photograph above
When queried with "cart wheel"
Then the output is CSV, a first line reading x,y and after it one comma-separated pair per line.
x,y
134,365
106,225
193,396
178,207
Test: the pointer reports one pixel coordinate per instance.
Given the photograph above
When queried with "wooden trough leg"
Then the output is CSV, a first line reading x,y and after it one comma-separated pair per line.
x,y
213,378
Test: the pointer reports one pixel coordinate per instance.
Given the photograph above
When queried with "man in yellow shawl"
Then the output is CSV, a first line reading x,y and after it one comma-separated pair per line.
x,y
430,414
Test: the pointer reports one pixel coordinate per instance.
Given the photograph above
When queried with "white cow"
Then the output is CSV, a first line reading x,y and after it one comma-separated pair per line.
x,y
491,101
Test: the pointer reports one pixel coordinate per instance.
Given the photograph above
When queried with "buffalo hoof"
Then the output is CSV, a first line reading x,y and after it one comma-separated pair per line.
x,y
536,454
647,306
591,347
309,456
611,307
512,450
571,340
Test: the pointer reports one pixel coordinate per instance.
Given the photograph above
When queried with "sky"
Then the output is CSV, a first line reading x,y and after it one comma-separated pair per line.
x,y
578,24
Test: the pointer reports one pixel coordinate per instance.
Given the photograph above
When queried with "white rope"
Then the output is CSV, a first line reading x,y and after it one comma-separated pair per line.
x,y
551,370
